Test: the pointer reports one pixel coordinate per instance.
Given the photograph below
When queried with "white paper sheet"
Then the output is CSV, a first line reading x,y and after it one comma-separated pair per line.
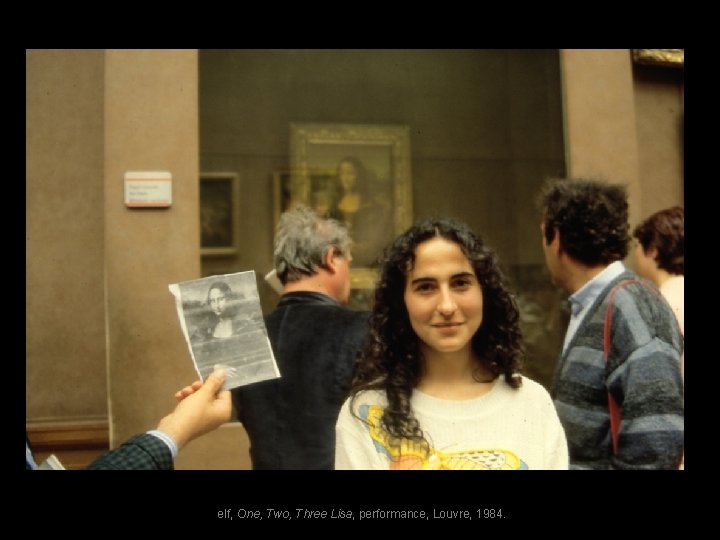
x,y
223,325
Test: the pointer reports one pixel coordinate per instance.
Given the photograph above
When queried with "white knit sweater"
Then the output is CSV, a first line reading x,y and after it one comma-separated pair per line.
x,y
504,429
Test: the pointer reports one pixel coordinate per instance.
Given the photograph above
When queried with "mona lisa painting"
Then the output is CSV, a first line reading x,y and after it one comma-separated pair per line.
x,y
358,174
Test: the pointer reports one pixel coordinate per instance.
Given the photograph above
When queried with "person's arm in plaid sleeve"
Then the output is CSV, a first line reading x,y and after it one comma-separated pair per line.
x,y
202,408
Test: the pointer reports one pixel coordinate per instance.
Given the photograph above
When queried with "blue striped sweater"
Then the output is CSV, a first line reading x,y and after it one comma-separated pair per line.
x,y
642,373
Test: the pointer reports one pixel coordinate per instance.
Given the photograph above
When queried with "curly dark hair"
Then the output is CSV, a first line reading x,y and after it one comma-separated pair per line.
x,y
391,359
665,231
591,216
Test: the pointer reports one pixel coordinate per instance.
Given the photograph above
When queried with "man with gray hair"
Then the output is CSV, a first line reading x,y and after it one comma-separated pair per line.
x,y
291,421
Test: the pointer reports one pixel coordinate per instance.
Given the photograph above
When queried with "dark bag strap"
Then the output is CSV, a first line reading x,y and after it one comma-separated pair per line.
x,y
607,338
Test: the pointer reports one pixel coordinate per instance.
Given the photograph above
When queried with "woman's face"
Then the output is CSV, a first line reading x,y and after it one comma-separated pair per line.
x,y
217,301
348,175
443,297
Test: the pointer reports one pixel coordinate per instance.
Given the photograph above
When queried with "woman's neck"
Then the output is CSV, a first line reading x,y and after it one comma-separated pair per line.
x,y
223,328
457,375
350,202
661,276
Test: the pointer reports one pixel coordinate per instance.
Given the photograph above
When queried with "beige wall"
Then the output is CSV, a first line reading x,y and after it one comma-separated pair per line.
x,y
103,336
600,126
659,110
624,124
150,125
65,297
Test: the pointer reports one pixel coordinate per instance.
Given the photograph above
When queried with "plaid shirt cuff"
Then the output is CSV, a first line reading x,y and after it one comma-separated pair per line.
x,y
167,439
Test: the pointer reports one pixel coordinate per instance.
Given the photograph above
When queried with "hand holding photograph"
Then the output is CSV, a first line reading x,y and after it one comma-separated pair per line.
x,y
222,322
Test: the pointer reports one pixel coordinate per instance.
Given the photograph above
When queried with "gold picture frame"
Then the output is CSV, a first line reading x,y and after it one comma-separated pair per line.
x,y
287,193
219,214
659,57
374,199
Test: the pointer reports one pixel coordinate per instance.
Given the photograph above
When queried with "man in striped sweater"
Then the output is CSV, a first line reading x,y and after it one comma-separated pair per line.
x,y
585,238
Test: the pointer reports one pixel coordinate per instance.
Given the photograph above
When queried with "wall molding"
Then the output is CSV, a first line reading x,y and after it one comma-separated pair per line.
x,y
75,442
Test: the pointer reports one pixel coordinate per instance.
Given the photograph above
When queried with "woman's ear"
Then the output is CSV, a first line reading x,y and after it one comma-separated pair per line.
x,y
652,252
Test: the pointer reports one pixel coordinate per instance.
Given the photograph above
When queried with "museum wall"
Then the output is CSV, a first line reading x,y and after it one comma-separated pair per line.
x,y
64,223
485,130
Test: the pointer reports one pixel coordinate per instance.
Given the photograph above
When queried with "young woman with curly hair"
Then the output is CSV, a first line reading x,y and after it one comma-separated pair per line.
x,y
438,383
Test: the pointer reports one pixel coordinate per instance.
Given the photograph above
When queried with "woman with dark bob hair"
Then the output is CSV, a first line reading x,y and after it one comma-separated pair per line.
x,y
660,257
438,383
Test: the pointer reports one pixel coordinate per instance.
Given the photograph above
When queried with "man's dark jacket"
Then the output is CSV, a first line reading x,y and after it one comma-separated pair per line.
x,y
291,420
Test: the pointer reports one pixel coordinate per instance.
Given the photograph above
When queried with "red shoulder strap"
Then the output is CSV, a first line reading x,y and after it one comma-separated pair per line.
x,y
607,338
